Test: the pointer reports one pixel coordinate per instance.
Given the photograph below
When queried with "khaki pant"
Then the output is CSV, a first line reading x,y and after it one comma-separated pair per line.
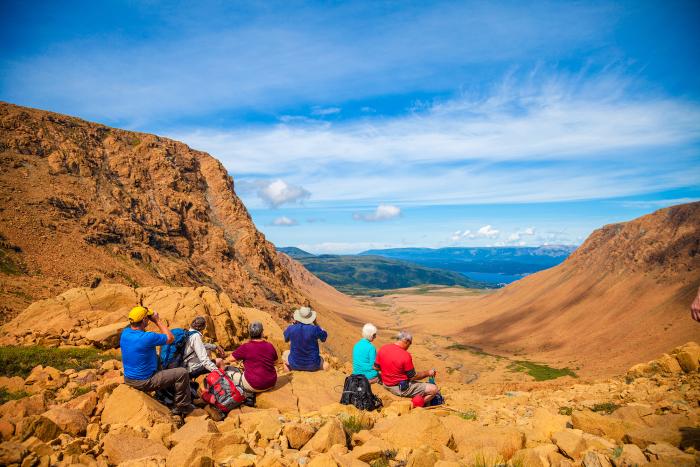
x,y
414,388
239,379
165,379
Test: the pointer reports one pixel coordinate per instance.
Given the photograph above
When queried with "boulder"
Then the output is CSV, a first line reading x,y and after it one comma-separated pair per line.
x,y
469,436
212,445
630,456
688,356
70,421
85,403
40,427
666,454
570,442
150,461
601,425
7,429
12,383
11,453
539,456
422,457
125,447
323,460
16,410
641,370
194,427
265,422
373,449
106,337
595,459
419,428
134,408
544,423
330,433
298,434
37,446
667,364
45,378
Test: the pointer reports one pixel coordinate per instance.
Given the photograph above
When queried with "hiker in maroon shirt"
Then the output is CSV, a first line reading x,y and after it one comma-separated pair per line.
x,y
258,357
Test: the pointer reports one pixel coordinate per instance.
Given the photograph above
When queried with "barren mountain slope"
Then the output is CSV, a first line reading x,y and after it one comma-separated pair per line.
x,y
83,203
622,297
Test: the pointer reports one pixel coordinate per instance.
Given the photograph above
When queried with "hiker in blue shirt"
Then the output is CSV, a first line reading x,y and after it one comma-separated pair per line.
x,y
364,354
303,337
140,359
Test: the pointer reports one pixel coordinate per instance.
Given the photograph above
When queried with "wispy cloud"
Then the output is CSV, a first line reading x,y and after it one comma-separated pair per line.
x,y
337,248
383,212
274,193
284,221
657,203
324,111
545,138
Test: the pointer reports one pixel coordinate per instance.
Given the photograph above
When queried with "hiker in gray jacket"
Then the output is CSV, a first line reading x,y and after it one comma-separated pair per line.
x,y
196,352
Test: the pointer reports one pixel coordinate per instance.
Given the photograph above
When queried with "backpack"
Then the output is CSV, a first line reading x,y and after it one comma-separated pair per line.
x,y
221,392
358,392
172,355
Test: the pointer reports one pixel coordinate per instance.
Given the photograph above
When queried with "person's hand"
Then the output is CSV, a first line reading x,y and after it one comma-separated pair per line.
x,y
431,372
695,308
220,351
155,317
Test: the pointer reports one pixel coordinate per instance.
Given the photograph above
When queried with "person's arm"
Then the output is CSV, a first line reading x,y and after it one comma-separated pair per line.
x,y
200,351
155,318
695,308
421,374
287,333
321,333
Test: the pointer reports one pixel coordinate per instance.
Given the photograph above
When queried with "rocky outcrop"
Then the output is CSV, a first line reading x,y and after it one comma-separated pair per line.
x,y
86,316
83,203
654,420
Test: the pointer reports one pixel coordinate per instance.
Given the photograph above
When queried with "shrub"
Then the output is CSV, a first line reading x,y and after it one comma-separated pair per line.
x,y
539,371
565,410
352,424
468,415
6,395
606,407
19,361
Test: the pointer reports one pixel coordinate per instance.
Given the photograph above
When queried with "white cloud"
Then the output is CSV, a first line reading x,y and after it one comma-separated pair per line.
x,y
382,213
548,139
284,221
322,112
337,248
275,193
516,237
487,231
659,203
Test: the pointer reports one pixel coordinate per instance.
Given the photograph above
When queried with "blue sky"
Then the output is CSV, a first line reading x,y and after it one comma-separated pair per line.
x,y
355,125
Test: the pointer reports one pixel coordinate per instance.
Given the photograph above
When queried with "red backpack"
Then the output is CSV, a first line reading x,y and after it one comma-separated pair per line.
x,y
221,392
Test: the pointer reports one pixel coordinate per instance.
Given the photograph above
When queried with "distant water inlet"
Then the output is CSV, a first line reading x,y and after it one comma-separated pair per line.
x,y
494,278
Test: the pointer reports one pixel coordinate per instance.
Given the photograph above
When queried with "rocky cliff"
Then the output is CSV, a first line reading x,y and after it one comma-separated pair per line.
x,y
83,203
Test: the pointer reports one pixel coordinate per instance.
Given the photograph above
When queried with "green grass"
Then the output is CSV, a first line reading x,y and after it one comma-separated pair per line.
x,y
605,407
81,390
352,424
6,395
19,361
539,371
565,410
468,415
383,461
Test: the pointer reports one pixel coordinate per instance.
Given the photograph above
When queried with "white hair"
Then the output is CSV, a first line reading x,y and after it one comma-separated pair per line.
x,y
368,331
404,336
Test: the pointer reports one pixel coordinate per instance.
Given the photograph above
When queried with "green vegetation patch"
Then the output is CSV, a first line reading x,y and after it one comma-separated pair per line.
x,y
539,371
605,407
6,395
353,424
565,410
468,415
19,361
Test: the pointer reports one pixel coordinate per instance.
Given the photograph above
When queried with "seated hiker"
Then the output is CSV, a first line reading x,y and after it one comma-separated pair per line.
x,y
140,359
398,375
196,352
303,337
258,357
364,354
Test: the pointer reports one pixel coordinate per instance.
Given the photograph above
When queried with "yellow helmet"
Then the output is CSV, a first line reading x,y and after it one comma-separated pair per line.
x,y
138,313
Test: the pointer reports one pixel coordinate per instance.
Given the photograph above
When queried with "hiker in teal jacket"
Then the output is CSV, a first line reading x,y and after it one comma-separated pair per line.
x,y
364,354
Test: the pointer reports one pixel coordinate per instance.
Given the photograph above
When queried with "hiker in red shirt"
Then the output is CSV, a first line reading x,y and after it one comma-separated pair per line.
x,y
398,375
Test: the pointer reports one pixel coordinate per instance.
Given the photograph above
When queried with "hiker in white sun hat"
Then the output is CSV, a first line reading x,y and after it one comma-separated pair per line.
x,y
303,337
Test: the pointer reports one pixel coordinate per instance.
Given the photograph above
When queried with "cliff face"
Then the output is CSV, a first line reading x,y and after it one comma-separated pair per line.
x,y
83,203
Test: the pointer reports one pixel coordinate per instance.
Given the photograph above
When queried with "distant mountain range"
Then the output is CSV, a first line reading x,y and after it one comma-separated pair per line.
x,y
488,264
366,273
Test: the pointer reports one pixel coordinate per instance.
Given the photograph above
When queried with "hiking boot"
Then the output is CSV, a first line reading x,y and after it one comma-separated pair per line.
x,y
214,413
182,411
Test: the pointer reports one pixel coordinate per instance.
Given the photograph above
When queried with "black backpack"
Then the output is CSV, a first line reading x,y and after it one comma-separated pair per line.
x,y
358,392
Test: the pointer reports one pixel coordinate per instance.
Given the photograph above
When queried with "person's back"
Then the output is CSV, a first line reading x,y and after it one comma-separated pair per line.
x,y
395,363
139,356
259,357
363,357
304,351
